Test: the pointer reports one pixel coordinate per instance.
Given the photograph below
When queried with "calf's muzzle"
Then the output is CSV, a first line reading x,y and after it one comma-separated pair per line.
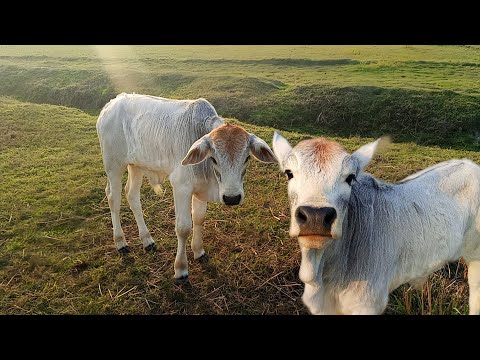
x,y
314,220
232,200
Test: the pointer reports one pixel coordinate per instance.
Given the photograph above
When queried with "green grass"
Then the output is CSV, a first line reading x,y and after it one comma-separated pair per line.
x,y
56,249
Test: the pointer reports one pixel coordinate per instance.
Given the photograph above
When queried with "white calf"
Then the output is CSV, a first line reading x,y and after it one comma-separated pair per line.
x,y
361,238
158,137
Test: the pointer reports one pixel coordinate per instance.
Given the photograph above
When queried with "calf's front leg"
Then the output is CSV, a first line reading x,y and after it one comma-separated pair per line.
x,y
183,225
199,208
474,287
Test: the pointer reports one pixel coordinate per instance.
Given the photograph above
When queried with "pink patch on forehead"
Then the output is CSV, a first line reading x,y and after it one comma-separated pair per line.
x,y
230,138
322,150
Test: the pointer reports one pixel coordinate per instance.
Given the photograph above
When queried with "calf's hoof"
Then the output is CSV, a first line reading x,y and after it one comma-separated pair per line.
x,y
151,248
203,259
182,281
124,250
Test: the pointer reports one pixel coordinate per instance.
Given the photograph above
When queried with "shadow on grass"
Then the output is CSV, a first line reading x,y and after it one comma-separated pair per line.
x,y
442,64
442,118
277,62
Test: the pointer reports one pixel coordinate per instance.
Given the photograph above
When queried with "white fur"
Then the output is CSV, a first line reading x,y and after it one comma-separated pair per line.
x,y
384,235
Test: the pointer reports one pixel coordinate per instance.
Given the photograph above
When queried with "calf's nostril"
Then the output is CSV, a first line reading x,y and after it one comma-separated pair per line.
x,y
301,216
330,216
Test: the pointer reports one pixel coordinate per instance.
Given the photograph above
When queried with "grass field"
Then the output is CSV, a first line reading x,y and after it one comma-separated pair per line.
x,y
56,249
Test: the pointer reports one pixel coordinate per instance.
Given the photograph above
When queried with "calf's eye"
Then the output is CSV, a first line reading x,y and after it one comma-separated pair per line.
x,y
289,174
214,161
349,179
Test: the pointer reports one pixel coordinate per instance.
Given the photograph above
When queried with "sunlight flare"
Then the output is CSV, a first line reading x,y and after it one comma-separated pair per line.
x,y
122,64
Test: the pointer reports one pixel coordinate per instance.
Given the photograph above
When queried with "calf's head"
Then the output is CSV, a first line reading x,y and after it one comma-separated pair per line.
x,y
229,147
320,176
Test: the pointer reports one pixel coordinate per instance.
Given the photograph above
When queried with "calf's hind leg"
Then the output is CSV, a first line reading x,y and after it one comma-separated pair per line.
x,y
132,192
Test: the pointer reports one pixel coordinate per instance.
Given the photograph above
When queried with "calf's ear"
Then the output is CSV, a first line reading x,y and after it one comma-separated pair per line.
x,y
281,148
260,150
365,153
198,152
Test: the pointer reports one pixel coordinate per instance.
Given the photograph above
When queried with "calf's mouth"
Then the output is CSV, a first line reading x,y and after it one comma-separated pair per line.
x,y
314,241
